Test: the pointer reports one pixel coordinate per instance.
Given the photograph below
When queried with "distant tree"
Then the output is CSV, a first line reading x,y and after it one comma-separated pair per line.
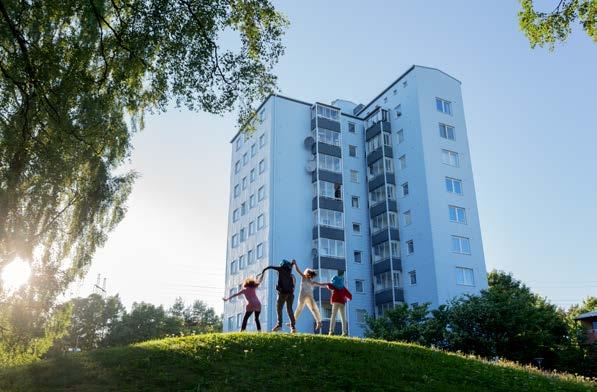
x,y
76,78
547,28
197,318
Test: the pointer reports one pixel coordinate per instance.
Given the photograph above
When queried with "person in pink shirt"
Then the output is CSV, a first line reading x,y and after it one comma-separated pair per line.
x,y
253,304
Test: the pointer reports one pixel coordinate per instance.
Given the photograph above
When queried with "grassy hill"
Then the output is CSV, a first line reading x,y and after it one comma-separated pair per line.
x,y
279,362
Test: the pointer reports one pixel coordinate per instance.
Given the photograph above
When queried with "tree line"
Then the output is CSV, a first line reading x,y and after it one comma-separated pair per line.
x,y
505,321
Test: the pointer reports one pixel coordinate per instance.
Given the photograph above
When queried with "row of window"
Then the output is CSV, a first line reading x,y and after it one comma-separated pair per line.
x,y
252,177
237,167
244,260
253,200
240,141
243,234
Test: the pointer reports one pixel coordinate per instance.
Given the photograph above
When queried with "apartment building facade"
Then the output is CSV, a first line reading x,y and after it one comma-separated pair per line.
x,y
382,194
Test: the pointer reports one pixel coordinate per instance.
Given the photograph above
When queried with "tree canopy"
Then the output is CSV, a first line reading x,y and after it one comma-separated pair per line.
x,y
548,28
76,78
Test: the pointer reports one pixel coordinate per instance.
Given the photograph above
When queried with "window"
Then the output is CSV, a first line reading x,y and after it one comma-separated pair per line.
x,y
378,195
326,275
398,110
461,245
389,165
330,248
239,318
328,189
245,158
457,214
410,247
405,83
261,193
443,106
382,221
465,276
237,167
373,144
361,315
453,185
260,222
354,176
328,137
231,292
358,256
352,128
243,208
406,218
354,200
262,140
235,215
251,256
359,286
356,228
260,251
233,267
352,150
397,279
239,142
330,163
327,112
234,240
404,189
244,183
251,227
383,281
381,309
253,175
252,201
382,251
261,166
412,277
376,168
243,235
402,162
253,150
329,218
446,131
387,139
242,262
400,134
450,158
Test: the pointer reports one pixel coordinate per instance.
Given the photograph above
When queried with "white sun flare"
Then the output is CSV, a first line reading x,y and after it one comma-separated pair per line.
x,y
15,274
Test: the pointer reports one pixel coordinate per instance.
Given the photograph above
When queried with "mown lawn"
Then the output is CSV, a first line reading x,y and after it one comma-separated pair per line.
x,y
277,362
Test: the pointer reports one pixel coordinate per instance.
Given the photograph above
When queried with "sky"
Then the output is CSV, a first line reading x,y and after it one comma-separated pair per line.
x,y
531,124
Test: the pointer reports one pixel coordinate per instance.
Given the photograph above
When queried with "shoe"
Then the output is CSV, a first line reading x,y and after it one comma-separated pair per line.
x,y
276,328
344,334
292,330
318,326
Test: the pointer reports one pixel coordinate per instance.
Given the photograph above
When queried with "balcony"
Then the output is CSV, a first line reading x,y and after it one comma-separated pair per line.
x,y
326,123
328,204
333,233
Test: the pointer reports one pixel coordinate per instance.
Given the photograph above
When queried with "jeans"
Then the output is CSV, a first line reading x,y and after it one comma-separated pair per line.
x,y
287,299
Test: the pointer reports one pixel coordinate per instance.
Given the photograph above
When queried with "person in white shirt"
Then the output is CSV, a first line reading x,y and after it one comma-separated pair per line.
x,y
306,294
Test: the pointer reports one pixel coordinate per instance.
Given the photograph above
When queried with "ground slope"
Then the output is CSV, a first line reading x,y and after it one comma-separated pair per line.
x,y
279,362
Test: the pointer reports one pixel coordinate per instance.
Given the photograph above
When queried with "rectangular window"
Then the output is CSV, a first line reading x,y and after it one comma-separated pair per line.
x,y
253,175
358,256
243,235
244,183
389,165
234,240
327,112
328,137
465,276
397,279
260,222
382,221
412,277
233,267
461,245
450,158
231,292
446,131
262,140
354,201
454,185
406,218
252,201
361,316
352,150
410,247
385,250
253,150
237,167
356,228
383,281
243,208
245,158
354,176
329,163
328,189
398,110
387,139
457,214
242,262
329,218
330,248
443,106
402,161
235,215
359,286
261,193
404,189
251,227
261,166
260,251
373,144
400,134
251,256
352,128
239,142
375,169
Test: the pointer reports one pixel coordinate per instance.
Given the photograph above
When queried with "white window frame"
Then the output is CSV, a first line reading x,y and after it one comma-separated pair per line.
x,y
352,148
354,127
412,274
261,166
356,287
352,201
450,158
359,228
446,106
450,188
261,193
458,215
259,250
354,256
260,222
410,244
402,162
354,176
461,249
400,134
404,186
445,130
461,276
407,218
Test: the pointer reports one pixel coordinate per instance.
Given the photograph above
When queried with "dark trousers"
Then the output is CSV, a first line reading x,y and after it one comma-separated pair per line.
x,y
246,318
287,299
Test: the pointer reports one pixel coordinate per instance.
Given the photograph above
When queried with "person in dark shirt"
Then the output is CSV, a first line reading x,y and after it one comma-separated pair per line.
x,y
285,288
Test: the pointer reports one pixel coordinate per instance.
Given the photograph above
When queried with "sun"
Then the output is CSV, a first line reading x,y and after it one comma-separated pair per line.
x,y
15,274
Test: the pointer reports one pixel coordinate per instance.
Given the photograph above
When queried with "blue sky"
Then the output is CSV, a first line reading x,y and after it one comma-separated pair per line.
x,y
532,132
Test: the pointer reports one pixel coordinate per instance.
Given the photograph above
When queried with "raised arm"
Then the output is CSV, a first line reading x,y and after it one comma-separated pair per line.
x,y
320,284
234,295
298,271
266,268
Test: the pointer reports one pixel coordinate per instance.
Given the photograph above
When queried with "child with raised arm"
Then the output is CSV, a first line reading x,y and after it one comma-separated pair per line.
x,y
306,294
253,304
285,288
340,295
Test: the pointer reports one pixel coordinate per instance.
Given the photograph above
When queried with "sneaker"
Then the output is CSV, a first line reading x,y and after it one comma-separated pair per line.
x,y
292,330
276,328
344,334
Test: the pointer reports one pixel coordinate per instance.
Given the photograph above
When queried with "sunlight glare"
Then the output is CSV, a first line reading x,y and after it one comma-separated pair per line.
x,y
15,274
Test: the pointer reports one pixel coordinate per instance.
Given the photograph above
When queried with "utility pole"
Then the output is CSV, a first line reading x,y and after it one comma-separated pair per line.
x,y
97,289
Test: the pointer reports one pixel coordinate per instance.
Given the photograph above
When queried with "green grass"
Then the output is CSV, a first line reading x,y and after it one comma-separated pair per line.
x,y
278,362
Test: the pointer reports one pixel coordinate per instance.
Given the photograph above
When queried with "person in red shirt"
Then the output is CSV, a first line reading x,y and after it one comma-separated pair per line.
x,y
340,295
